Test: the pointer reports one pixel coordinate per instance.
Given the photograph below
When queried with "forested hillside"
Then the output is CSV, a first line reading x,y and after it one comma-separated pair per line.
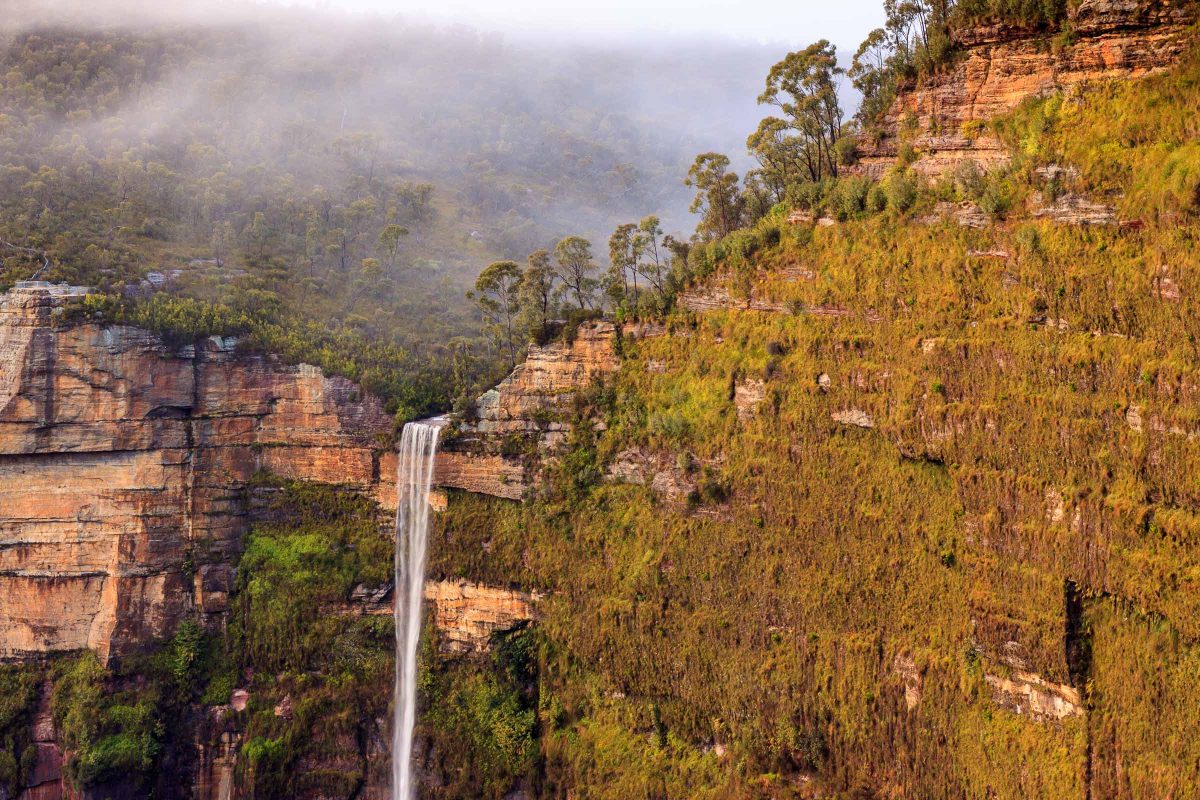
x,y
337,179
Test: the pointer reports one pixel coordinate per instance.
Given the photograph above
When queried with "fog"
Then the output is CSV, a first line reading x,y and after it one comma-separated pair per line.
x,y
357,168
438,97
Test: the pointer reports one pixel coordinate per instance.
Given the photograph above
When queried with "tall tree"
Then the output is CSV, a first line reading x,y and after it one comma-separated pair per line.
x,y
780,155
871,75
575,268
804,87
537,292
717,199
389,241
497,293
622,258
651,258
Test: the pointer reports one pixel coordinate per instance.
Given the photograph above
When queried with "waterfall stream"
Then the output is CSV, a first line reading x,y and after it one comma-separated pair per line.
x,y
414,474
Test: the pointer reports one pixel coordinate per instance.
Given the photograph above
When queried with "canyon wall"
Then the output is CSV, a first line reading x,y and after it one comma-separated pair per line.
x,y
128,479
498,448
124,467
942,117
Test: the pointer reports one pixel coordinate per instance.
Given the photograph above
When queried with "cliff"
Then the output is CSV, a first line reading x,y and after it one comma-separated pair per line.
x,y
943,117
131,472
466,614
124,465
511,429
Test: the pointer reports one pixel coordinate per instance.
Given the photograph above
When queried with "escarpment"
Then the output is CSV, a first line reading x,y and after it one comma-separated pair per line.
x,y
128,466
124,467
943,117
509,431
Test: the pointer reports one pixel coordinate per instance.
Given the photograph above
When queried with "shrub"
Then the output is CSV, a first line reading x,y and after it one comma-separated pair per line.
x,y
849,197
997,196
901,188
968,180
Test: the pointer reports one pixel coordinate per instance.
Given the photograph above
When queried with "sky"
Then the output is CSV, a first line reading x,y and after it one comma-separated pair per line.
x,y
794,22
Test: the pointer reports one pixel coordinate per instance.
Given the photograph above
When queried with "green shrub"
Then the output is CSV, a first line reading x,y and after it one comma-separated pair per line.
x,y
902,189
849,197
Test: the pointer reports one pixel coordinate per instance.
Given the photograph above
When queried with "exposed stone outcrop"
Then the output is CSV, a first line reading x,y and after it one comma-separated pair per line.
x,y
906,669
526,417
853,416
1028,694
965,214
748,393
465,613
667,477
45,781
123,468
1072,209
1000,66
714,296
218,741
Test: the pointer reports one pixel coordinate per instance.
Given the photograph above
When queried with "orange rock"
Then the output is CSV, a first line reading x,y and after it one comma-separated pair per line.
x,y
1000,66
123,463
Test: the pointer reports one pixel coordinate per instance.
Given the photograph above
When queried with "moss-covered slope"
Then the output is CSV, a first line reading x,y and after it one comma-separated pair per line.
x,y
950,552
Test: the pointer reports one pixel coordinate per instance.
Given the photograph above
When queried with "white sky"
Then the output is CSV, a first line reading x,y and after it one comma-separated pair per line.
x,y
795,23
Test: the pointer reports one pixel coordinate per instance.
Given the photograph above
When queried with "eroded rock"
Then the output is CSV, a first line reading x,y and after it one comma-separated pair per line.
x,y
1002,65
1028,694
853,416
123,462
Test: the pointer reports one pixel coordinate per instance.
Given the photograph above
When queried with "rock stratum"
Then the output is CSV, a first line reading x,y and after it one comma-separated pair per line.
x,y
510,429
124,467
943,117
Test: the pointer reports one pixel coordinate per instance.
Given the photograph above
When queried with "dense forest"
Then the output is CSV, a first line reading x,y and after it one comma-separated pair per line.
x,y
326,186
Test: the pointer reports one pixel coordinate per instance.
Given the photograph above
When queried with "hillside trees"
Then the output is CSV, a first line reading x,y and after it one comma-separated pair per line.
x,y
717,201
497,294
538,293
653,263
639,278
623,254
803,86
575,268
798,151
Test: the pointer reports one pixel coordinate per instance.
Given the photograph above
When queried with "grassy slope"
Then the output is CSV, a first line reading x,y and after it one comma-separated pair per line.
x,y
770,624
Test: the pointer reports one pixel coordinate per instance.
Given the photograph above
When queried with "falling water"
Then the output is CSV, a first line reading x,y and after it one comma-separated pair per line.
x,y
418,444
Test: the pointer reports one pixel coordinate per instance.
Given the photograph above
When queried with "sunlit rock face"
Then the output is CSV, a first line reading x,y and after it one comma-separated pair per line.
x,y
124,464
528,414
1002,65
468,614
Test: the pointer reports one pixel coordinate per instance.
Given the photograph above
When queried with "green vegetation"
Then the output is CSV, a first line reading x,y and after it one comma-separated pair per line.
x,y
292,642
19,685
118,725
973,461
482,717
1023,502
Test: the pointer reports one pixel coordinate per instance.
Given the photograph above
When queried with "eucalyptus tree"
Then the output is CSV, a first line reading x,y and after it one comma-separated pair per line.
x,y
717,198
573,256
497,294
803,86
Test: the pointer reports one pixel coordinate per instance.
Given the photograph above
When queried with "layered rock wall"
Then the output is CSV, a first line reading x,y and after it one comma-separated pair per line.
x,y
1000,66
124,464
528,413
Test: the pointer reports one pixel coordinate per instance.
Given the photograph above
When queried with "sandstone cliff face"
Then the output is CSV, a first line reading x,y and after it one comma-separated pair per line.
x,y
1001,66
466,614
529,412
123,465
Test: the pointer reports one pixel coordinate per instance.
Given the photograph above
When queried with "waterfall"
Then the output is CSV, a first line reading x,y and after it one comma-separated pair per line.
x,y
414,474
